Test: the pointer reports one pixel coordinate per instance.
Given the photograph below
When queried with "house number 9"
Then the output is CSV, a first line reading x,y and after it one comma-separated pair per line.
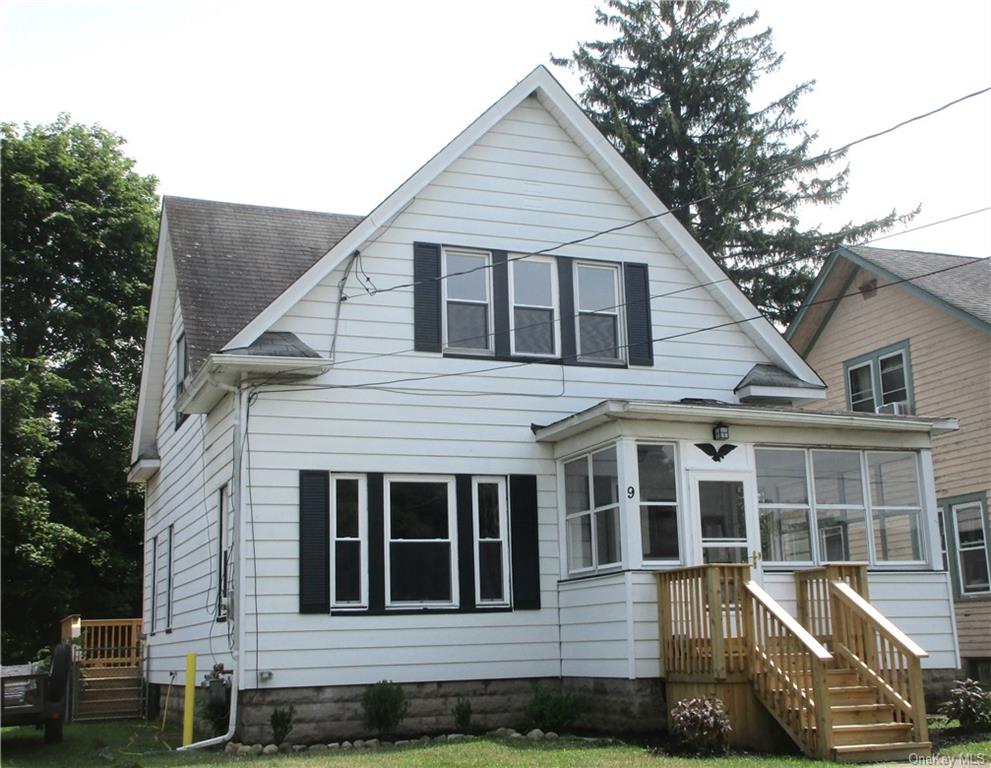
x,y
631,492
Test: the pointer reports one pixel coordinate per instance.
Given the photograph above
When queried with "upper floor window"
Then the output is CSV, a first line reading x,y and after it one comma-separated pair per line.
x,y
181,363
598,303
467,300
591,486
533,297
972,548
880,381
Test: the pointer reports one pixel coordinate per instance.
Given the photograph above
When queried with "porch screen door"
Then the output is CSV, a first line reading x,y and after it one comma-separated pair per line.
x,y
728,526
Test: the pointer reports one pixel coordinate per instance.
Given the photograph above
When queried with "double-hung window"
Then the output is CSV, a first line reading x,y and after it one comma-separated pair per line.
x,y
349,534
592,511
467,301
972,548
491,550
598,301
880,381
658,503
421,542
896,506
533,297
783,501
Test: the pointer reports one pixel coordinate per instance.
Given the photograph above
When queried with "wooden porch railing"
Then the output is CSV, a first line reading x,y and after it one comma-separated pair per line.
x,y
105,642
813,597
881,654
700,610
789,670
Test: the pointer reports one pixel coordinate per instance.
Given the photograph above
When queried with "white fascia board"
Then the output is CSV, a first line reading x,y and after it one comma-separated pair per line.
x,y
220,372
619,409
783,393
163,292
143,469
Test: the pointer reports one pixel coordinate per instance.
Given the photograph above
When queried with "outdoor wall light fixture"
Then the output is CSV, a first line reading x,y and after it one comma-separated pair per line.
x,y
720,432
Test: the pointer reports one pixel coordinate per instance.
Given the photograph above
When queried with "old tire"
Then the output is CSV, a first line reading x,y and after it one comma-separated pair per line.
x,y
53,731
58,675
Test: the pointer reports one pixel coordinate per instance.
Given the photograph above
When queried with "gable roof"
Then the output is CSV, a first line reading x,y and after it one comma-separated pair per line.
x,y
961,286
542,85
232,261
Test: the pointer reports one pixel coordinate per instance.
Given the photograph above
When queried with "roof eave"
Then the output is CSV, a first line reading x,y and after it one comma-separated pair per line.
x,y
143,469
794,394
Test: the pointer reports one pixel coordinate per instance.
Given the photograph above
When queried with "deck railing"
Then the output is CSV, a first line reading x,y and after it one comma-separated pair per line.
x,y
789,671
105,642
881,654
700,610
813,595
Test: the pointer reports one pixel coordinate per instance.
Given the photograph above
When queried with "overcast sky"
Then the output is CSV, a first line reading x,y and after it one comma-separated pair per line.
x,y
330,105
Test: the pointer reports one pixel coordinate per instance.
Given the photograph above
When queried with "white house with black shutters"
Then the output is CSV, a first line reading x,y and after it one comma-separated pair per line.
x,y
450,443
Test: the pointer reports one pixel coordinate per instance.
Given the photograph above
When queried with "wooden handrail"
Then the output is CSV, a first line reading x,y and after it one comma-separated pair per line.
x,y
812,594
868,611
110,642
801,634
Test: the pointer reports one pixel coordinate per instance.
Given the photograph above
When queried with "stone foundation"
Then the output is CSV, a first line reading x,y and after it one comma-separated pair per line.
x,y
937,684
617,705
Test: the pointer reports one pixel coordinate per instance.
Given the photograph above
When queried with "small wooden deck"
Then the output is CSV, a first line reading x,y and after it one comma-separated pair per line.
x,y
109,682
840,680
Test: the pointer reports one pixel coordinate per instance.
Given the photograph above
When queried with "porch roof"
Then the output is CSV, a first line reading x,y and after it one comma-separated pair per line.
x,y
714,410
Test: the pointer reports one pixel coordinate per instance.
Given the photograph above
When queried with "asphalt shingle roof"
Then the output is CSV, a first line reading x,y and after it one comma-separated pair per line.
x,y
766,375
233,260
967,286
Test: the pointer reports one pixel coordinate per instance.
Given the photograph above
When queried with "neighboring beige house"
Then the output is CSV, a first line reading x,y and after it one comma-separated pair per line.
x,y
922,345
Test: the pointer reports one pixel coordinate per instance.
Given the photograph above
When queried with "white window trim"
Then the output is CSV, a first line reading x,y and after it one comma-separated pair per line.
x,y
554,306
871,508
452,539
503,539
941,530
955,508
223,584
640,502
154,585
170,579
808,506
487,274
862,508
362,604
616,309
591,513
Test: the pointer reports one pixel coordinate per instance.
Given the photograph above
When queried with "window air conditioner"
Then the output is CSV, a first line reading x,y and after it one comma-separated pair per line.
x,y
894,409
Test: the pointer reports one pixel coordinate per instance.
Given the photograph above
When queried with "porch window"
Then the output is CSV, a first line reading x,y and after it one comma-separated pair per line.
x,y
841,516
592,511
349,535
421,552
896,508
533,286
491,551
972,549
658,502
783,501
598,313
468,305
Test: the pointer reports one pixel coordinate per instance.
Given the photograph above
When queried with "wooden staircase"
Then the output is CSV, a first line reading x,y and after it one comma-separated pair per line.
x,y
859,700
109,693
109,684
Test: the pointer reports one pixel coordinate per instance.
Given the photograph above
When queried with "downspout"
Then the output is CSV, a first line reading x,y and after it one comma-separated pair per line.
x,y
239,400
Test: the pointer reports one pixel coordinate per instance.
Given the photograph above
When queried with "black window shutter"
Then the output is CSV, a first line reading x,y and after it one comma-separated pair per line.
x,y
525,548
638,331
426,297
566,288
314,541
376,542
500,300
466,543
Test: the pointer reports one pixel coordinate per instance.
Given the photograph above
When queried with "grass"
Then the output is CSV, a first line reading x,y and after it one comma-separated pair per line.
x,y
136,744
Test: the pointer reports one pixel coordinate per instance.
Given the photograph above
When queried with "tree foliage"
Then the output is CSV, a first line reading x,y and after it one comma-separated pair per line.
x,y
672,91
78,228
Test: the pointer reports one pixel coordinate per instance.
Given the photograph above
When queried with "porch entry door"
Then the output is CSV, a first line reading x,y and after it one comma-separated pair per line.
x,y
729,530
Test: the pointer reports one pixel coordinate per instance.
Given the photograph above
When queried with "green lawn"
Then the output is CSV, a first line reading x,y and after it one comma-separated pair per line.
x,y
136,744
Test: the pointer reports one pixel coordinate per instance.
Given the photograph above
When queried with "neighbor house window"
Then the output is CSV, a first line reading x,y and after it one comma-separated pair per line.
x,y
533,297
420,532
841,515
658,502
491,550
349,535
896,505
880,381
468,300
972,548
598,302
592,511
783,501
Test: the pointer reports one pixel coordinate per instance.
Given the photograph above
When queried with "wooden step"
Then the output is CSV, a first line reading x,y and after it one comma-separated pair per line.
x,y
877,753
842,677
848,714
872,733
109,694
851,694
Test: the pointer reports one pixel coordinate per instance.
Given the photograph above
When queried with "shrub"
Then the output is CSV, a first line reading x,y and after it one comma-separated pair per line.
x,y
462,716
970,704
281,722
700,726
385,706
551,711
215,712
